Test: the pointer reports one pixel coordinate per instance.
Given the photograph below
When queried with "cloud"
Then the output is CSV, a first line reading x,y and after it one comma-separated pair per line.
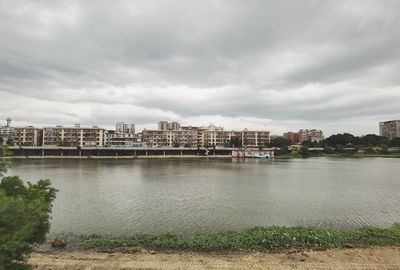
x,y
277,65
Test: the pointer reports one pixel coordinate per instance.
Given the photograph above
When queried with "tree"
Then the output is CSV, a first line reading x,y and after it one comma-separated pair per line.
x,y
235,142
284,150
329,150
342,139
374,140
384,149
279,142
1,141
310,144
304,152
10,142
24,218
395,142
4,164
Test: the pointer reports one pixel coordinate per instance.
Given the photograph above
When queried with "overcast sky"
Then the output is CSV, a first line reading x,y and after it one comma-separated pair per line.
x,y
275,65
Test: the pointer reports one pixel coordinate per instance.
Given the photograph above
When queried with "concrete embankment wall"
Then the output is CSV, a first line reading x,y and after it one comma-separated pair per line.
x,y
115,153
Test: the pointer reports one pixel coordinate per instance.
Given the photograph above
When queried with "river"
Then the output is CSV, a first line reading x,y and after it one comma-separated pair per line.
x,y
123,197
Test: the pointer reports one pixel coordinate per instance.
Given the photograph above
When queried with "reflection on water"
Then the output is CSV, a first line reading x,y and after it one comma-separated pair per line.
x,y
190,195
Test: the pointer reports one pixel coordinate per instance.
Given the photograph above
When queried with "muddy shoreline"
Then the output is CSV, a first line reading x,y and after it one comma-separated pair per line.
x,y
355,258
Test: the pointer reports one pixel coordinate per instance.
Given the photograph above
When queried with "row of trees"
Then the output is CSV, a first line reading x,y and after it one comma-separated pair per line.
x,y
24,216
366,141
343,140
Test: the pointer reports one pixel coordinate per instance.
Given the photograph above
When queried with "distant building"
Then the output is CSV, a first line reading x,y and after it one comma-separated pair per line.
x,y
27,136
164,125
6,132
390,129
312,135
112,138
292,136
125,128
76,136
188,136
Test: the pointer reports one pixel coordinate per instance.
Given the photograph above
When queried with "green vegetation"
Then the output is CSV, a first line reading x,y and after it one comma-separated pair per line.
x,y
340,142
24,216
234,142
10,142
260,239
304,152
279,142
340,145
4,163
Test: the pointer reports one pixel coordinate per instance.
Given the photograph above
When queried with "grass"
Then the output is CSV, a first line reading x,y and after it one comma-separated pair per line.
x,y
259,239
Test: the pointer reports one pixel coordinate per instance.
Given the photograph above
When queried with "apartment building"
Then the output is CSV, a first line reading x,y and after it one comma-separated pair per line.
x,y
312,135
292,136
255,138
123,135
27,136
76,136
113,138
154,138
389,129
203,137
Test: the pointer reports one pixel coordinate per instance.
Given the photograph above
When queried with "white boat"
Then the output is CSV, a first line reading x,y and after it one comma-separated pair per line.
x,y
257,155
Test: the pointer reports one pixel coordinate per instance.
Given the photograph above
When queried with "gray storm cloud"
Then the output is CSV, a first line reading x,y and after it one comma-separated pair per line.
x,y
280,65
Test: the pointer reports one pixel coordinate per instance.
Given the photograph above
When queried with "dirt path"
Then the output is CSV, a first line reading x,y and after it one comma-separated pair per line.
x,y
356,259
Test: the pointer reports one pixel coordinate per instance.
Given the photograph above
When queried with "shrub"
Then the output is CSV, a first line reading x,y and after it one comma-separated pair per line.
x,y
24,218
304,152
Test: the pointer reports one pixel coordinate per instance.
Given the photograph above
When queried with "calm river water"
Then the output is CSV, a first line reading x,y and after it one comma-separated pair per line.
x,y
191,196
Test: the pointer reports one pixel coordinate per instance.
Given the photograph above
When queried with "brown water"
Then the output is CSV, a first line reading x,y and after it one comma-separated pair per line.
x,y
190,196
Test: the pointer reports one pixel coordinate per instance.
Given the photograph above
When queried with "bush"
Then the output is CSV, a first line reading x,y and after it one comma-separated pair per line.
x,y
24,218
304,152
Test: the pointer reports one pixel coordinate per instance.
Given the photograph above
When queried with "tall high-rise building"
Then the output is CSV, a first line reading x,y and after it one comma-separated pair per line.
x,y
165,125
131,129
174,126
390,129
125,128
6,132
162,125
8,122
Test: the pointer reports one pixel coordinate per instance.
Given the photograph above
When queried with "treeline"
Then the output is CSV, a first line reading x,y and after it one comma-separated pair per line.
x,y
345,143
345,140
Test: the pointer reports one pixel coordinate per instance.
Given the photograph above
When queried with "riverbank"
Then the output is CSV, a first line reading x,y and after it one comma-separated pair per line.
x,y
123,157
278,157
338,155
358,258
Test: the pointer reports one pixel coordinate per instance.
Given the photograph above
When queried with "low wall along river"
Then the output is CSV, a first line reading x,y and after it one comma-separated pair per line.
x,y
115,152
